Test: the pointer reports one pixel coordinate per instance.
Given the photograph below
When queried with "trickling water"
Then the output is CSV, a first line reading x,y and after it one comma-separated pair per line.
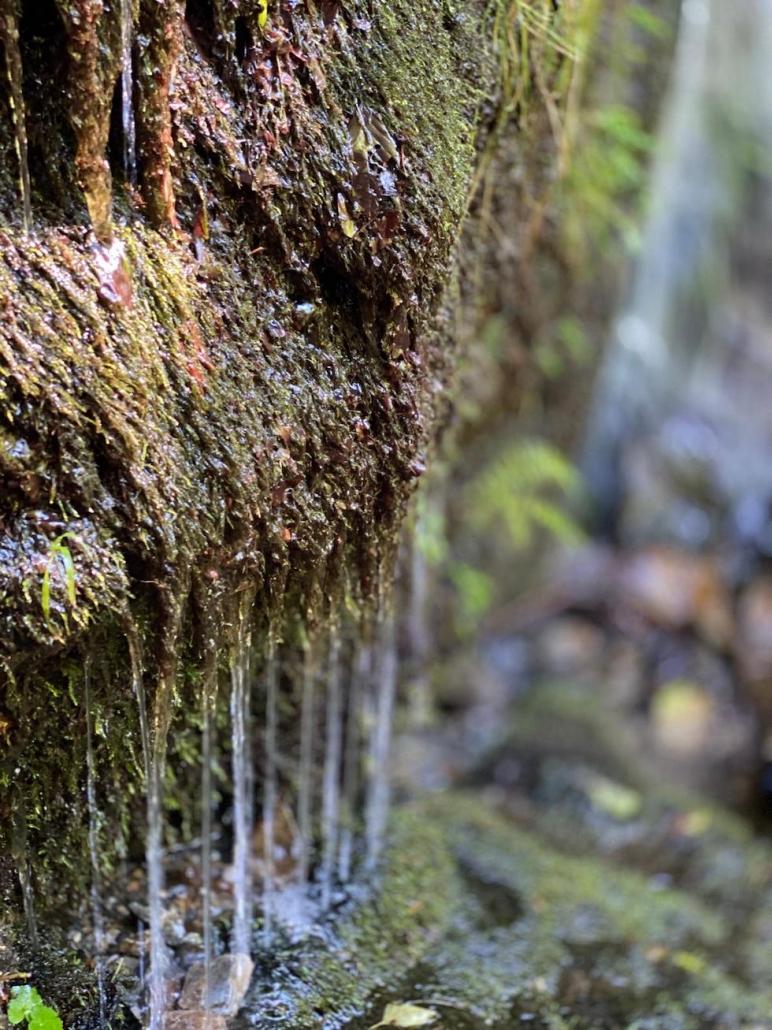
x,y
27,892
360,673
209,704
306,767
155,875
418,630
379,786
695,337
242,785
127,105
10,25
97,907
331,774
154,854
270,785
138,687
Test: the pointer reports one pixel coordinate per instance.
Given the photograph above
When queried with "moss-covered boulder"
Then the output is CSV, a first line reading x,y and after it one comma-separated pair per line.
x,y
220,359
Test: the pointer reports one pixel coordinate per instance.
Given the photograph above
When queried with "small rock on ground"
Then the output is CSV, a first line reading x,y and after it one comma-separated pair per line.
x,y
229,977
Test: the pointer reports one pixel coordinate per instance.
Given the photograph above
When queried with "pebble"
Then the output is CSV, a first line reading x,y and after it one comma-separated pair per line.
x,y
229,978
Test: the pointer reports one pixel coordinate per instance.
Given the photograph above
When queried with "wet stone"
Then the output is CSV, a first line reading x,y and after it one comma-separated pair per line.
x,y
229,977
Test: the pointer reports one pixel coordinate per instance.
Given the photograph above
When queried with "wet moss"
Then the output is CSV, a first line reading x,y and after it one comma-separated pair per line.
x,y
489,923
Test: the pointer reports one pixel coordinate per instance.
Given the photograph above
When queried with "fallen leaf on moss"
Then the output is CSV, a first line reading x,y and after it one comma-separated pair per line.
x,y
406,1016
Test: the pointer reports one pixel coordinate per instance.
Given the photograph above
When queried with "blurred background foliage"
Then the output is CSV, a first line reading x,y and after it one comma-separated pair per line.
x,y
580,87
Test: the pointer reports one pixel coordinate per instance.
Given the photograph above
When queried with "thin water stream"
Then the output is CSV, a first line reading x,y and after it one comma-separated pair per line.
x,y
97,904
241,758
331,774
9,23
306,766
379,785
127,99
270,787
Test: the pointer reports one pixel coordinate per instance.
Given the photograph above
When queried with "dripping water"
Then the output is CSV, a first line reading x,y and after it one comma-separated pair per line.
x,y
25,880
270,786
379,788
138,688
242,785
127,106
154,854
360,673
10,26
97,907
331,773
155,871
418,630
306,767
209,704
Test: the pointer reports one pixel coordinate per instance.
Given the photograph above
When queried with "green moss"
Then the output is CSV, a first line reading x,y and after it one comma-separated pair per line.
x,y
488,922
378,942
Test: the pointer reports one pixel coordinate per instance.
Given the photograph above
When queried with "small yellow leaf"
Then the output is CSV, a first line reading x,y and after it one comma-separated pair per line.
x,y
406,1016
348,227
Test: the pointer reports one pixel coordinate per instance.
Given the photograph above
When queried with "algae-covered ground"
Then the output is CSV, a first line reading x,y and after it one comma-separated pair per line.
x,y
565,891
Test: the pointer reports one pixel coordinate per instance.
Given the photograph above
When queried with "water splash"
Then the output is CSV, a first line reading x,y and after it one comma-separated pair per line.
x,y
331,774
270,786
127,100
9,23
97,906
241,758
359,684
379,786
306,767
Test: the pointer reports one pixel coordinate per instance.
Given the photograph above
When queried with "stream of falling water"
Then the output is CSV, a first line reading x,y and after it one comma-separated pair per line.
x,y
418,630
306,767
360,672
242,785
209,706
138,687
155,860
25,881
127,104
379,786
97,907
154,853
14,72
270,786
331,774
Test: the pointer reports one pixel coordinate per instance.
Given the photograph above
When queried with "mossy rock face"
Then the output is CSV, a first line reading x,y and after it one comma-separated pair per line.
x,y
228,387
